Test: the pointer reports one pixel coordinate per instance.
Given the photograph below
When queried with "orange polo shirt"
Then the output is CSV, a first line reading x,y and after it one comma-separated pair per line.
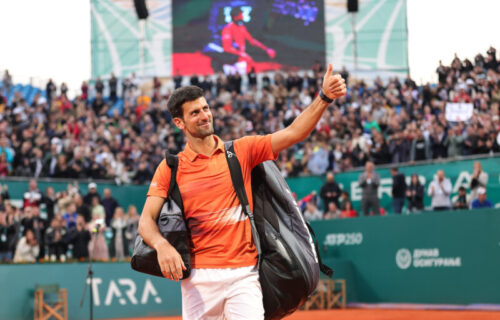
x,y
220,230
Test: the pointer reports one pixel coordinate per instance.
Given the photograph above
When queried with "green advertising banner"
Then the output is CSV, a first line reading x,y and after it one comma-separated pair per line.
x,y
119,292
433,257
459,172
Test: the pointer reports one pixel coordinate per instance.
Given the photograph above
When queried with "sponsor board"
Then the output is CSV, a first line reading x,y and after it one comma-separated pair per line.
x,y
123,290
344,239
425,258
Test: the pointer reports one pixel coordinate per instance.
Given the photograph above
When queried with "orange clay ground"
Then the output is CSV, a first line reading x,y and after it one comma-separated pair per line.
x,y
378,314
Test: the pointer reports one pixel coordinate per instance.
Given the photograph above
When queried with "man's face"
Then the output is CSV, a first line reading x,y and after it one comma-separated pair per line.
x,y
197,119
482,197
329,177
369,167
238,18
440,175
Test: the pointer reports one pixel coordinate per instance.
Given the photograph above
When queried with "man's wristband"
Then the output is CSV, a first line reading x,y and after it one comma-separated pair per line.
x,y
324,97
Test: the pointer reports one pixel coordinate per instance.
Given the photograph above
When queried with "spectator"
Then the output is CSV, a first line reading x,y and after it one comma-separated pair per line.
x,y
36,163
35,223
91,194
6,82
369,182
55,238
5,230
6,151
348,211
33,197
332,211
143,174
119,244
81,208
415,195
50,89
80,238
70,216
479,179
330,191
27,249
312,213
461,202
420,147
24,170
344,197
63,199
132,226
99,86
98,248
11,229
398,190
439,191
97,211
453,142
438,137
481,201
110,204
49,199
85,91
4,165
113,84
318,159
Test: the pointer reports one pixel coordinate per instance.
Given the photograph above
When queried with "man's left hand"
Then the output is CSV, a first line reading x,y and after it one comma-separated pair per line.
x,y
333,84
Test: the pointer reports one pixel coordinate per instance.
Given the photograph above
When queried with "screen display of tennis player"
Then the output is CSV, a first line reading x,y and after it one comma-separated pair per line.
x,y
241,35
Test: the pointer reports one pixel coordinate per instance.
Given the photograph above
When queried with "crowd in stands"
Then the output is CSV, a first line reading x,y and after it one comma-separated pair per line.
x,y
392,122
407,195
115,130
66,225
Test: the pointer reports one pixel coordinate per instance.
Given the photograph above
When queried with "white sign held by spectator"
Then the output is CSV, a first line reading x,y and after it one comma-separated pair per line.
x,y
458,111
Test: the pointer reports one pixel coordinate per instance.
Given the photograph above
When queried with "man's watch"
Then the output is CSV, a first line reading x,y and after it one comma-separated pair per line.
x,y
324,97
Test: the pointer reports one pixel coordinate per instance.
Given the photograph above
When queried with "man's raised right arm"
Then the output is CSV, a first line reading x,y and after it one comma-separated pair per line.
x,y
169,259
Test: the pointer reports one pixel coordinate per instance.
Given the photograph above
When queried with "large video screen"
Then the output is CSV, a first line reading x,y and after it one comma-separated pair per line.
x,y
240,35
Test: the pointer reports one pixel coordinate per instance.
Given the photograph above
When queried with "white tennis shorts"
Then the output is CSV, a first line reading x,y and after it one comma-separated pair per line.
x,y
216,294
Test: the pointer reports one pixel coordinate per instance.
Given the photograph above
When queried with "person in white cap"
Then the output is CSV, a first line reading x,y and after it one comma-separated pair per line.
x,y
92,193
481,201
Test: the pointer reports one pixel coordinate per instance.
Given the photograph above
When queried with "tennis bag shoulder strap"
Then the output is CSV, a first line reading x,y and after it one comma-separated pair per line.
x,y
172,226
289,261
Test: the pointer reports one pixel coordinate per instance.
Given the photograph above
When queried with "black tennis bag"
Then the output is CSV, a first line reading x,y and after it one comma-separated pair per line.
x,y
289,260
172,226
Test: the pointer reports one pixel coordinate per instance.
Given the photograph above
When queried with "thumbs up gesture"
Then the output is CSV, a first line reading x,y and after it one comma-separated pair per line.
x,y
333,84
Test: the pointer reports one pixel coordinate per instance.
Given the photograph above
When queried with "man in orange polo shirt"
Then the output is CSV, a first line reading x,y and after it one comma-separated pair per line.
x,y
224,281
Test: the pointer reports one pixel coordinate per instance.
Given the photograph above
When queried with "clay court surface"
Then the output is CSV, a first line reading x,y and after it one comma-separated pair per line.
x,y
377,314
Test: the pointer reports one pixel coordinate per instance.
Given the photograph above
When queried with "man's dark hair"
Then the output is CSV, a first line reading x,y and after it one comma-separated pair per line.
x,y
462,188
234,12
181,96
395,169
